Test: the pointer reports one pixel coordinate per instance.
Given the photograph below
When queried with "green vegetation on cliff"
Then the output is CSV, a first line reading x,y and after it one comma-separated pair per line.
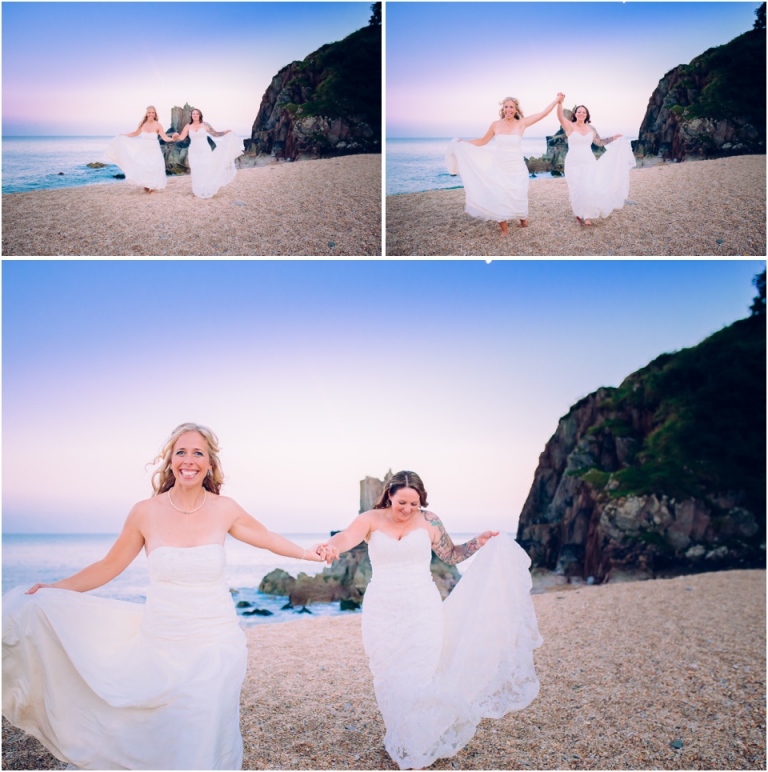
x,y
351,78
734,80
709,417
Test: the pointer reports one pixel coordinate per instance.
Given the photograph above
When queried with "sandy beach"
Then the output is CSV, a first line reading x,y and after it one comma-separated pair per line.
x,y
697,208
664,674
326,208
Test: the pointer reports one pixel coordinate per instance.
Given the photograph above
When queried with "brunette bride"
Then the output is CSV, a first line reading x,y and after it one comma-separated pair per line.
x,y
211,169
596,187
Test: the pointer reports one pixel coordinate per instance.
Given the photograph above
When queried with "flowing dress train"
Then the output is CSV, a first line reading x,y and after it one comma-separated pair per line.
x,y
107,684
439,667
597,186
494,176
212,169
140,158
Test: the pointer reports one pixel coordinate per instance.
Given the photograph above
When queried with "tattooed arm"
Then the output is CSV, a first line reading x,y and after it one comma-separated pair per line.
x,y
445,549
596,140
215,133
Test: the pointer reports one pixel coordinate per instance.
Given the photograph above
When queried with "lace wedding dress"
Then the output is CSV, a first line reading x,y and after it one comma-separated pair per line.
x,y
140,158
597,186
494,176
106,684
212,169
439,667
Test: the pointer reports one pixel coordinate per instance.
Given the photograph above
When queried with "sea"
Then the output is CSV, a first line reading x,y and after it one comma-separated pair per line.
x,y
46,558
43,163
414,165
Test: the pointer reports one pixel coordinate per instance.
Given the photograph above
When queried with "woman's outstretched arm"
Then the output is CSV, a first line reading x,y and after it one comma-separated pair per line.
x,y
119,557
165,136
484,140
352,535
567,125
215,133
443,546
249,530
536,117
597,140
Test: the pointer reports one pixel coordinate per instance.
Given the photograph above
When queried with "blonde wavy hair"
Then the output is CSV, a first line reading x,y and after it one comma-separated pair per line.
x,y
163,478
519,112
144,119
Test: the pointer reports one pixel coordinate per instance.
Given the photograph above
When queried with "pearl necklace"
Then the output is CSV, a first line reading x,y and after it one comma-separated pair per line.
x,y
181,510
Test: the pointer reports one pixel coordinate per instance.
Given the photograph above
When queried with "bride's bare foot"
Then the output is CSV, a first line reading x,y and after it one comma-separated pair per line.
x,y
523,223
504,228
587,222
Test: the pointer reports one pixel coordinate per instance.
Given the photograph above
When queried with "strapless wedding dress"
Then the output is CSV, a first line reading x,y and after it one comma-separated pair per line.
x,y
494,176
212,169
439,667
140,158
597,186
106,684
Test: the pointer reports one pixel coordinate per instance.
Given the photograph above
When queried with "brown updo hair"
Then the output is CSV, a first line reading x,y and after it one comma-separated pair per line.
x,y
400,480
163,479
588,119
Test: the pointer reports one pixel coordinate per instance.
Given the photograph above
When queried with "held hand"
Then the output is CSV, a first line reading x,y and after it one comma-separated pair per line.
x,y
485,536
560,97
316,553
32,590
328,553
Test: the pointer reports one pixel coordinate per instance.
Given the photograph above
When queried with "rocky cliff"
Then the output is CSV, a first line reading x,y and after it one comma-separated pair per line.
x,y
712,107
327,105
662,475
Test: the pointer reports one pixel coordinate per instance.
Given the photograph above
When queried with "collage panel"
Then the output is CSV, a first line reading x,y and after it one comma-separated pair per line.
x,y
575,129
272,514
154,129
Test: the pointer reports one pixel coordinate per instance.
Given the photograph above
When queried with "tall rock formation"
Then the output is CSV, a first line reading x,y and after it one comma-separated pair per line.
x,y
327,105
665,473
712,107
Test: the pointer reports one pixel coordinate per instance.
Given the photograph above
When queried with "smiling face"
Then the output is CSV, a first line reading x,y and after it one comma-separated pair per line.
x,y
151,114
581,115
197,116
190,460
404,503
509,108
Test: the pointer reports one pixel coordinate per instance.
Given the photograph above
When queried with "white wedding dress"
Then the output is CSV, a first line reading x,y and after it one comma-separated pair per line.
x,y
439,667
106,684
494,176
212,169
140,158
597,186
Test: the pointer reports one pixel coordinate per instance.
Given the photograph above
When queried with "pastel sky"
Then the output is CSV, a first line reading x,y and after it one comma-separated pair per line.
x,y
92,68
450,64
316,374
